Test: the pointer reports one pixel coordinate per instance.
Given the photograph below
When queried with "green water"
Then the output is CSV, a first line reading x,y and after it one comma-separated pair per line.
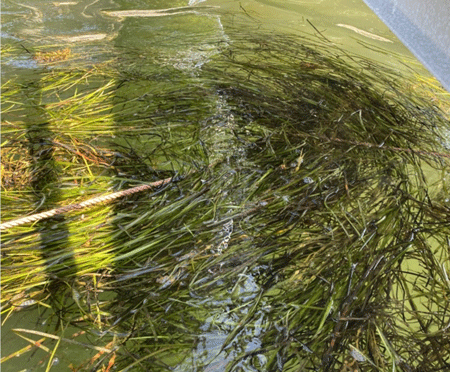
x,y
189,278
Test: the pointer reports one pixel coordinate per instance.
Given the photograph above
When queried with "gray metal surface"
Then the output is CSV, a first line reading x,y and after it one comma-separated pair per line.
x,y
424,27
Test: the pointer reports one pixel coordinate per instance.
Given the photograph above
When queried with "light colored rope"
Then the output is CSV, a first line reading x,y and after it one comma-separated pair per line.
x,y
77,206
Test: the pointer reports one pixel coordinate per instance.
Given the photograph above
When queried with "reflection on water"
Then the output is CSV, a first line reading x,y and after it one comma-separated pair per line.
x,y
299,202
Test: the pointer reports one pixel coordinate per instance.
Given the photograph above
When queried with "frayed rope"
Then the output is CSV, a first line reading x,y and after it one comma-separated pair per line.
x,y
77,206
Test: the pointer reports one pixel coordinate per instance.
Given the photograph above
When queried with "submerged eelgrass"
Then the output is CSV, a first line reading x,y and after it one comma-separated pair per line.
x,y
307,230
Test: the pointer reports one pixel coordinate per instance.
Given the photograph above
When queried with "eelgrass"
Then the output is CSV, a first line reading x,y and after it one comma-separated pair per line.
x,y
286,237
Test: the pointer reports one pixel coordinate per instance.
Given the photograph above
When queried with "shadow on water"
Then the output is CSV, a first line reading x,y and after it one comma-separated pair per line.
x,y
36,141
299,233
44,173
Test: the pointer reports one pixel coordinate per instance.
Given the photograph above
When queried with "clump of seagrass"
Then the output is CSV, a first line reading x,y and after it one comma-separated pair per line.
x,y
290,246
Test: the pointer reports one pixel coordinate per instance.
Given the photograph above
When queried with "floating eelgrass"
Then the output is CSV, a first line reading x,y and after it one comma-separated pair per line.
x,y
307,227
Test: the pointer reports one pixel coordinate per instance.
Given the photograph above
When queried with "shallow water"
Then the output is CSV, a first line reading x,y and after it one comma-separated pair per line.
x,y
98,26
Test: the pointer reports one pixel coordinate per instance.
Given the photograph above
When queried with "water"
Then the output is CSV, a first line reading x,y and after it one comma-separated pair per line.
x,y
160,48
98,25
